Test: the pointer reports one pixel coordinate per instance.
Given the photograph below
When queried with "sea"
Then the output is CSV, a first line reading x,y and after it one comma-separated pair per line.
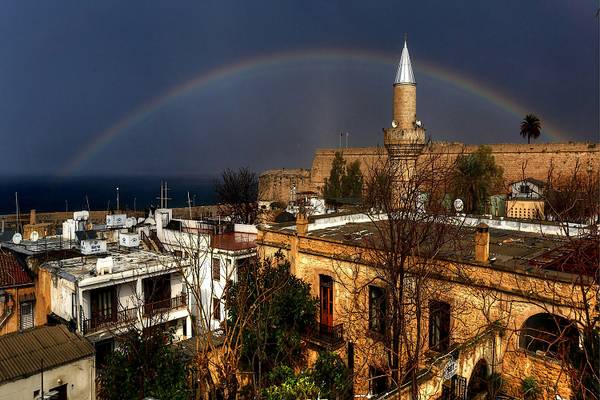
x,y
75,193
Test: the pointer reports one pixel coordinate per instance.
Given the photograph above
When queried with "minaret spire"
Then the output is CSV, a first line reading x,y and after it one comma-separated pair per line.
x,y
405,73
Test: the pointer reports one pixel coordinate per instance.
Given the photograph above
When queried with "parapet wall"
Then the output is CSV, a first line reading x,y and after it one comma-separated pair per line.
x,y
533,160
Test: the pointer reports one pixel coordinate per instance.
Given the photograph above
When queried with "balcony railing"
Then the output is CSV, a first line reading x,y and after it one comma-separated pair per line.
x,y
129,315
329,336
165,305
111,320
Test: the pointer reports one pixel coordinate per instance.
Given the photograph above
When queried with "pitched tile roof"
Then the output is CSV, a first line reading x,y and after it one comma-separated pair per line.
x,y
12,272
21,352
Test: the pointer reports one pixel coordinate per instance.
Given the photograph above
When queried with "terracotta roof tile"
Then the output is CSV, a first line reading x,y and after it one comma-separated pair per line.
x,y
12,272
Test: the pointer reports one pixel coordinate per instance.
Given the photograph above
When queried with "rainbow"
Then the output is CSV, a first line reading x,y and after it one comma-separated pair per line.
x,y
206,79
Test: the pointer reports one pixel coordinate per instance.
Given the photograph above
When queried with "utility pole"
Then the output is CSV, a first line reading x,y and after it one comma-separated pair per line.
x,y
347,134
118,208
189,204
42,378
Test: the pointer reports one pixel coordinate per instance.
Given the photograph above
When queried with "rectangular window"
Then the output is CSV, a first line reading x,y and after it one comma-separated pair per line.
x,y
439,326
377,309
26,313
104,304
74,306
216,308
525,189
216,269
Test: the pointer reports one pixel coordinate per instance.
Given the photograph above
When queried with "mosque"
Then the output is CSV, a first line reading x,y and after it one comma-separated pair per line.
x,y
404,139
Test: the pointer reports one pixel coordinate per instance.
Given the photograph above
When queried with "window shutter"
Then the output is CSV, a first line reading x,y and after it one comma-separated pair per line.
x,y
26,313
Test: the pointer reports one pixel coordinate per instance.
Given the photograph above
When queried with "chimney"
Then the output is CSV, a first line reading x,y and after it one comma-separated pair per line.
x,y
482,243
301,224
32,217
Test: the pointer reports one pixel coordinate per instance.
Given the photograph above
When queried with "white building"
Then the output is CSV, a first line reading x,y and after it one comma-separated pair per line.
x,y
528,188
107,294
214,250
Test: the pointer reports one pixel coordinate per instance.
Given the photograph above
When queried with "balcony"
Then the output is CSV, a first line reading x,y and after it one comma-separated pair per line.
x,y
130,315
329,337
165,305
110,321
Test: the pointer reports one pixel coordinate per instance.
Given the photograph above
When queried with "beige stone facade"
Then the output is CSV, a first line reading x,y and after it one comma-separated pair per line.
x,y
490,303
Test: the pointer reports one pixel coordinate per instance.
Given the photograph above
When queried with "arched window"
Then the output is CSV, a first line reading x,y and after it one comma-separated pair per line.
x,y
549,334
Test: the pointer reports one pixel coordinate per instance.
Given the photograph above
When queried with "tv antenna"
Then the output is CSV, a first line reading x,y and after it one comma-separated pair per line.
x,y
164,196
17,205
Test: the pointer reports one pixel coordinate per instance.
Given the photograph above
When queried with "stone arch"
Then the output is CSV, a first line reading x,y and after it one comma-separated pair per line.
x,y
548,334
478,381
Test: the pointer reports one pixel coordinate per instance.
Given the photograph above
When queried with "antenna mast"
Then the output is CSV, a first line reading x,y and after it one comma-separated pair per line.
x,y
17,204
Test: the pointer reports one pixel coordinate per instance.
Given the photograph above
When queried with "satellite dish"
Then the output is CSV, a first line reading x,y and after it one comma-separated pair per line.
x,y
17,237
418,123
458,205
34,236
394,124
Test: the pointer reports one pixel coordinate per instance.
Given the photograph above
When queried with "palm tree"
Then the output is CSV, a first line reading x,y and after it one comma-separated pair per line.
x,y
531,127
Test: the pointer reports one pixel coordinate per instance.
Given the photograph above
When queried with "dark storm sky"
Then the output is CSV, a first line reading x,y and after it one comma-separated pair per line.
x,y
72,70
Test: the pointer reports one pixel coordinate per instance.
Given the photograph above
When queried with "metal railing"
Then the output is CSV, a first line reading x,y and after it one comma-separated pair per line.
x,y
125,316
165,305
109,320
329,335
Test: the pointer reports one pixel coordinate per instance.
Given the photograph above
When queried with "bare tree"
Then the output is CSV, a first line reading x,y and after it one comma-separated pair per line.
x,y
412,228
237,194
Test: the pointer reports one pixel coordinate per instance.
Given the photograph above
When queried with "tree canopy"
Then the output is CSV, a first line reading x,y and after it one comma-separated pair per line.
x,y
476,178
286,312
345,182
145,364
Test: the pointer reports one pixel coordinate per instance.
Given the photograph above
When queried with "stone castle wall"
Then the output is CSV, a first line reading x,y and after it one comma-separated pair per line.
x,y
275,184
536,159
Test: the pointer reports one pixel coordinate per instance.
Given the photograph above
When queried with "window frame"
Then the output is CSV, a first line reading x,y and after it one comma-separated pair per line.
x,y
216,309
377,310
215,266
30,303
439,325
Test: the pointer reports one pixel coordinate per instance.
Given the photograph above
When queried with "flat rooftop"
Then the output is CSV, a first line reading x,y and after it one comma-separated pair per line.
x,y
83,267
508,248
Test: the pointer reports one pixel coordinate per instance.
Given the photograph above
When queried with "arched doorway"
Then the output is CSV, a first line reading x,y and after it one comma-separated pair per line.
x,y
478,383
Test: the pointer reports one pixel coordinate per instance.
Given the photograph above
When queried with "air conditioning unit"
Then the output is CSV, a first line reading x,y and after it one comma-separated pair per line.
x,y
129,240
81,215
116,220
104,265
93,246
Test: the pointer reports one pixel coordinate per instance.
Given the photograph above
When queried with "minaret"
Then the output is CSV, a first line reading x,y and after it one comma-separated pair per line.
x,y
405,139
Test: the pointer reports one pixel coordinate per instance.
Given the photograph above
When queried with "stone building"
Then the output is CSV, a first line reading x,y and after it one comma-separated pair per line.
x,y
405,140
20,307
502,299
